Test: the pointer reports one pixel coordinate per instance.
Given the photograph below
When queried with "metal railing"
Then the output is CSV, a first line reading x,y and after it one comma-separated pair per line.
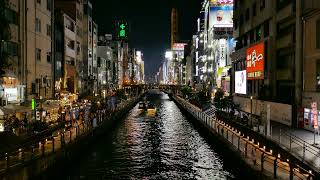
x,y
300,148
52,143
255,154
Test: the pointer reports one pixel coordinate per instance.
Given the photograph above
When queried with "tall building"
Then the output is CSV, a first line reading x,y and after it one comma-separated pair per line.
x,y
13,82
310,31
65,43
74,10
38,44
174,26
267,63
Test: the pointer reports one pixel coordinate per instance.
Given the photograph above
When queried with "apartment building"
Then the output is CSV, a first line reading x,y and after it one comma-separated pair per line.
x,y
38,44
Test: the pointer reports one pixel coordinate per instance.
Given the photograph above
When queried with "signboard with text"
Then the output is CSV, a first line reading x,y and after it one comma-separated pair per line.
x,y
314,114
255,62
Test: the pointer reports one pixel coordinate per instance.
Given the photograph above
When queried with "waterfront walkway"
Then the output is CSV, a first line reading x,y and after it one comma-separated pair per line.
x,y
257,155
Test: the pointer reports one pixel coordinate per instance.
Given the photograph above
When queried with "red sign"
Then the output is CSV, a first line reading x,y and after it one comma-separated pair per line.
x,y
314,114
255,62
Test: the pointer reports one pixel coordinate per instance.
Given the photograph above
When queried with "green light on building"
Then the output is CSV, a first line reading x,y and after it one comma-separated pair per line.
x,y
122,32
33,104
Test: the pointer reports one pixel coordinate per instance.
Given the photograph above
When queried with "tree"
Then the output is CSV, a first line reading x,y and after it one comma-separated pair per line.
x,y
186,91
121,94
4,36
218,99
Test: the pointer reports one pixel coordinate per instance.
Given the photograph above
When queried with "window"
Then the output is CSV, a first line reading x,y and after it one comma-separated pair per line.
x,y
78,29
252,37
254,9
258,33
11,16
235,23
39,1
247,14
245,40
318,34
49,57
318,75
71,44
262,4
38,54
241,19
49,30
49,5
78,48
10,47
266,29
38,25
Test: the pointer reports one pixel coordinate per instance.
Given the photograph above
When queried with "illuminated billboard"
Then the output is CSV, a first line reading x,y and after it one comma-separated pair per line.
x,y
240,82
221,14
178,46
255,62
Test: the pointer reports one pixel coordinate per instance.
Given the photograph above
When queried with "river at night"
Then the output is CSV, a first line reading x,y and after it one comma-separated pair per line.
x,y
164,146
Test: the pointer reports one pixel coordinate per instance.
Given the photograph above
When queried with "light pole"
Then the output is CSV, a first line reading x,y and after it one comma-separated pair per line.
x,y
251,111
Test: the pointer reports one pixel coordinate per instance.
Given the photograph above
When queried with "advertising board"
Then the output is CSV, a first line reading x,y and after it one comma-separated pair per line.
x,y
240,82
255,62
220,15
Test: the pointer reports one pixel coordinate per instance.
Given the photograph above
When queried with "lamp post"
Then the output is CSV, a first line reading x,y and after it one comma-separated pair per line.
x,y
251,111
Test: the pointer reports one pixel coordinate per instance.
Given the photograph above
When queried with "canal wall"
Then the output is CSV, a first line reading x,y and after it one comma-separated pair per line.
x,y
48,164
263,162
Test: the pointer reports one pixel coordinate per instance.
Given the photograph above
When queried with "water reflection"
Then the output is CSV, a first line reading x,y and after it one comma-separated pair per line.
x,y
163,147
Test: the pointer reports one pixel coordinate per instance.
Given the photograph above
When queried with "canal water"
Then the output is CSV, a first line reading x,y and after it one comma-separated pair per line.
x,y
164,146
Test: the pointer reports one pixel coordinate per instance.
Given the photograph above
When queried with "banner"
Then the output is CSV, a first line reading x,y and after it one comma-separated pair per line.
x,y
241,82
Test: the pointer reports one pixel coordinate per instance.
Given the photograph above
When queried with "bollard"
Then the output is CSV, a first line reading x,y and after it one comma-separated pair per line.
x,y
70,136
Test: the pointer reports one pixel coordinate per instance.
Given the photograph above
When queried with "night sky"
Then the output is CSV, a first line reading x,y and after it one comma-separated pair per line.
x,y
150,24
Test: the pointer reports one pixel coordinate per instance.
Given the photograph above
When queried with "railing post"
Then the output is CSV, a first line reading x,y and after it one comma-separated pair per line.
x,y
246,149
7,160
70,136
291,171
280,136
275,168
262,161
43,148
232,137
32,151
290,141
52,144
227,134
304,150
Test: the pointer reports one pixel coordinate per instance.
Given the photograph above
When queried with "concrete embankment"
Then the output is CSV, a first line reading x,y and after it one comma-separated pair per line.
x,y
41,166
248,151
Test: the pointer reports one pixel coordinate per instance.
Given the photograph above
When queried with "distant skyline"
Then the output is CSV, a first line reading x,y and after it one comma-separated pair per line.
x,y
150,24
